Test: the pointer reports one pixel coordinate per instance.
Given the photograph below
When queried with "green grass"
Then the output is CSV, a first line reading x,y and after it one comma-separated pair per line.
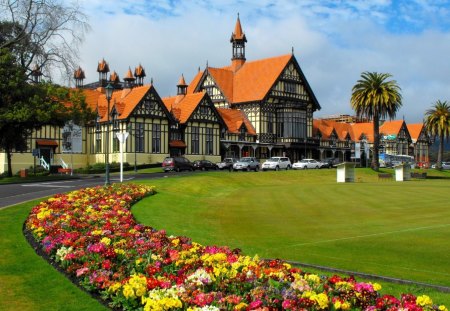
x,y
298,215
28,282
395,229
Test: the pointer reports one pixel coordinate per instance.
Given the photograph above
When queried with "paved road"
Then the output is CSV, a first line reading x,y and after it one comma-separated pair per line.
x,y
12,194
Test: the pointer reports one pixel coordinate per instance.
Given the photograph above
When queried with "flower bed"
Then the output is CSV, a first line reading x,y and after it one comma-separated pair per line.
x,y
92,236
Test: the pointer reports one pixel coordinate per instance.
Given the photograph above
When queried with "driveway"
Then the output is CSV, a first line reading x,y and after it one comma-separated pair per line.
x,y
12,194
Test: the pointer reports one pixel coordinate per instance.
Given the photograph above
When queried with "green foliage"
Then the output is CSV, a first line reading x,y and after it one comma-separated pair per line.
x,y
375,97
437,123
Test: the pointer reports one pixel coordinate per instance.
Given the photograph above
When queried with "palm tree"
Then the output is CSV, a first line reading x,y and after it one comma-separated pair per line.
x,y
374,97
437,122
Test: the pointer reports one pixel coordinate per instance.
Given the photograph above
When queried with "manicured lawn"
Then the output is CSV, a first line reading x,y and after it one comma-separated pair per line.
x,y
387,228
395,229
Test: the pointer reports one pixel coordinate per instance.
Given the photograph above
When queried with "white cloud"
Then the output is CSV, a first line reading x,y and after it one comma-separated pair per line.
x,y
334,43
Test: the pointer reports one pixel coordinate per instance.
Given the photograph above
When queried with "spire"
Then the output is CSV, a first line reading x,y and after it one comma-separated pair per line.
x,y
181,86
36,73
79,76
238,40
102,69
129,79
139,73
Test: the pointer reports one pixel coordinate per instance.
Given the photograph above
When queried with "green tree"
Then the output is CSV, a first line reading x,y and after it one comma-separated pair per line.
x,y
25,107
437,123
374,97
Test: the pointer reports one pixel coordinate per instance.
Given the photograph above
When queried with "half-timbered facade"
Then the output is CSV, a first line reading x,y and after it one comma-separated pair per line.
x,y
274,95
420,144
197,127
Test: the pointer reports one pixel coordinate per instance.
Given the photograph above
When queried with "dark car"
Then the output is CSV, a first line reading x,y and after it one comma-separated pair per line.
x,y
204,165
177,164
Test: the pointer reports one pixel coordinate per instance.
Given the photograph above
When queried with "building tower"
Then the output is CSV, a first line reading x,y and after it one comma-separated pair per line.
x,y
36,74
129,79
238,40
79,76
139,73
102,69
181,86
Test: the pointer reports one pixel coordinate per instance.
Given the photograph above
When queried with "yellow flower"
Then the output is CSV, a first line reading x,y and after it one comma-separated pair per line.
x,y
114,287
376,286
175,242
106,241
423,301
442,308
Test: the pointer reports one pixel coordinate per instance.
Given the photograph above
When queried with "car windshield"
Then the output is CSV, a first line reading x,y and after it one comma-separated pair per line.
x,y
245,160
273,160
304,161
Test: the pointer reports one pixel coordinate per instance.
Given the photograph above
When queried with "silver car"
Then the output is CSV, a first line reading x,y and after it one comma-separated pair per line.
x,y
306,163
277,163
246,164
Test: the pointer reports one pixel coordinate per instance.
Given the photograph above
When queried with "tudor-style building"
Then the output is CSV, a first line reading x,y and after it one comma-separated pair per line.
x,y
274,95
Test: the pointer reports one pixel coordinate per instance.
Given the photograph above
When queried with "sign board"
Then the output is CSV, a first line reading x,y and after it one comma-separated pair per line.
x,y
357,150
71,138
35,152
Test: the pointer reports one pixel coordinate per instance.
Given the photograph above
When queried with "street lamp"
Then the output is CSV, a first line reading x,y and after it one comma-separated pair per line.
x,y
108,92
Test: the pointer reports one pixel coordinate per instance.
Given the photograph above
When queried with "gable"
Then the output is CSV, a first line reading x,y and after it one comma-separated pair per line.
x,y
150,106
209,84
290,85
205,111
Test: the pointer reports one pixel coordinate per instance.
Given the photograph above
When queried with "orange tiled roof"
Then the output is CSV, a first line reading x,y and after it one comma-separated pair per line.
x,y
224,79
125,101
234,118
391,127
363,128
251,82
415,130
114,77
194,82
183,107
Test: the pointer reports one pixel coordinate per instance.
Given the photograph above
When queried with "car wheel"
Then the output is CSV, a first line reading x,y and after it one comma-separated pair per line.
x,y
177,169
305,167
277,168
288,168
317,167
256,168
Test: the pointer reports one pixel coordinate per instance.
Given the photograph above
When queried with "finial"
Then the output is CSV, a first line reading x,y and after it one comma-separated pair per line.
x,y
151,80
292,50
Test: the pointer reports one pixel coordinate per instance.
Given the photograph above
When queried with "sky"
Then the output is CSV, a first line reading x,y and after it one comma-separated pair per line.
x,y
334,41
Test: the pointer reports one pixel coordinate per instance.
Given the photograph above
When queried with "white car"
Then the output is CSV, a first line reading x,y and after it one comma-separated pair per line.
x,y
306,163
277,163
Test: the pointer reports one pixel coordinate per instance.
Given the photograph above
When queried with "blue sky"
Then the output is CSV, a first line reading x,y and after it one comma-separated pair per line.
x,y
334,42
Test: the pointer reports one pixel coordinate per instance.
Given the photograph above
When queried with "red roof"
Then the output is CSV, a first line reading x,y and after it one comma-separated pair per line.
x,y
46,142
234,119
183,106
415,130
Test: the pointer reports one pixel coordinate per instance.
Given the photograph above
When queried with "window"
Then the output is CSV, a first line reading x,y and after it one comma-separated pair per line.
x,y
156,138
195,140
242,133
115,124
291,123
209,141
139,137
98,138
270,123
289,87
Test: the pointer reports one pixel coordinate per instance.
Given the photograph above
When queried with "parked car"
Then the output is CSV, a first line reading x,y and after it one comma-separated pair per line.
x,y
177,164
445,165
204,165
246,164
277,163
306,163
227,164
331,162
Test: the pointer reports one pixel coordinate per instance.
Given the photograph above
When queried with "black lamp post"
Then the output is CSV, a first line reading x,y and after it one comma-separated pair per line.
x,y
108,92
